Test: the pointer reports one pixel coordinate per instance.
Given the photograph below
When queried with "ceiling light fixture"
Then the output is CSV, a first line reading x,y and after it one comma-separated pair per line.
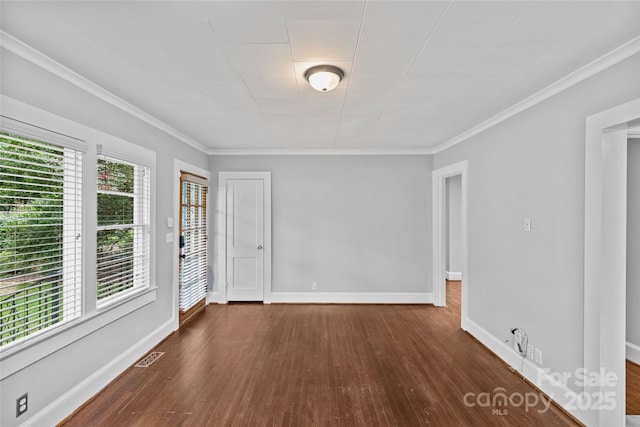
x,y
324,78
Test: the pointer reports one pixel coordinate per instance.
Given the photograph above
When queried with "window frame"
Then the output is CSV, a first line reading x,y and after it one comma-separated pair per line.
x,y
70,264
22,119
141,198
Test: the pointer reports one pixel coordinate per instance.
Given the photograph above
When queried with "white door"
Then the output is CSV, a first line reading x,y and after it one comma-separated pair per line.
x,y
246,238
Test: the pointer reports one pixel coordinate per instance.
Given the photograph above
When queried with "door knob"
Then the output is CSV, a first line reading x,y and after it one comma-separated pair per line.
x,y
259,246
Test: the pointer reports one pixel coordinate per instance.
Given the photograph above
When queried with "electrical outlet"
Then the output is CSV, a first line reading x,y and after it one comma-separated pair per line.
x,y
22,404
538,356
527,224
314,285
530,351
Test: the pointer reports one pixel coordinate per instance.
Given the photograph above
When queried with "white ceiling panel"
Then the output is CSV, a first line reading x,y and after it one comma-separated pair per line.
x,y
247,21
477,9
410,96
229,97
324,11
182,41
356,124
468,32
160,10
330,41
324,115
394,112
320,31
385,60
73,14
194,105
505,60
278,121
266,69
209,73
278,105
230,74
322,128
553,20
333,100
245,115
400,22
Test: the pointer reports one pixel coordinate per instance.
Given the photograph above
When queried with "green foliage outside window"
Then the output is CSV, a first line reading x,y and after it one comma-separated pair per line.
x,y
115,240
31,184
31,217
115,176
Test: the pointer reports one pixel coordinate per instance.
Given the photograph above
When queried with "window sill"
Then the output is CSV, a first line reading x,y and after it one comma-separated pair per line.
x,y
14,359
111,302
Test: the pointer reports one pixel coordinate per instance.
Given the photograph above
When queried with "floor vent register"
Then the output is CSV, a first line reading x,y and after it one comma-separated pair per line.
x,y
149,359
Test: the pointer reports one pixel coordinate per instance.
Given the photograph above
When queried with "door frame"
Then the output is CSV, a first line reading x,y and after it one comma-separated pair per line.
x,y
180,166
439,197
605,229
221,231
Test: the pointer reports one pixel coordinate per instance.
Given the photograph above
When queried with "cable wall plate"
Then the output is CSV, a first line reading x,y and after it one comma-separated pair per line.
x,y
520,342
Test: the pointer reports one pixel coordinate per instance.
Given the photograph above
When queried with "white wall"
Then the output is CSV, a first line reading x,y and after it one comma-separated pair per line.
x,y
351,223
633,242
79,364
532,165
454,224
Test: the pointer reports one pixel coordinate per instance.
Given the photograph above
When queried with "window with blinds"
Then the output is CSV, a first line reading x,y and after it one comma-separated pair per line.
x,y
193,241
40,240
123,248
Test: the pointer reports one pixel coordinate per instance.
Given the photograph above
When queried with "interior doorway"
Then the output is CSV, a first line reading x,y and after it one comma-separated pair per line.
x,y
605,255
441,234
632,374
453,240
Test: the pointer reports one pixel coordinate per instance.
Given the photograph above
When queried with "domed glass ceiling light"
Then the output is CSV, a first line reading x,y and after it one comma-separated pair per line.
x,y
324,78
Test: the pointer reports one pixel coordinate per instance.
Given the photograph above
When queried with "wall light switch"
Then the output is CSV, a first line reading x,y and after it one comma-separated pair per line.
x,y
169,237
169,222
527,224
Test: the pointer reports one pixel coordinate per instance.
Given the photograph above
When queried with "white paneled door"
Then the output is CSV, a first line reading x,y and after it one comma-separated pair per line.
x,y
246,238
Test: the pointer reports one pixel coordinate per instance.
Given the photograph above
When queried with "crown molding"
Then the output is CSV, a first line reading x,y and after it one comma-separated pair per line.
x,y
605,61
30,54
323,152
39,59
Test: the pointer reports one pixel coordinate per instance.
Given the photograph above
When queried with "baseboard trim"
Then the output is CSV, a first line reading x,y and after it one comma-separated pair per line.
x,y
633,353
453,275
351,298
213,297
64,406
537,375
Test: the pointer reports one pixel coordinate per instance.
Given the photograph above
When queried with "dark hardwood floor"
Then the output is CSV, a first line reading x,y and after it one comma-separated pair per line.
x,y
633,388
319,365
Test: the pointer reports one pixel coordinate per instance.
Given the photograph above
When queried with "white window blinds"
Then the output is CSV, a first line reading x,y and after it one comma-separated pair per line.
x,y
123,248
40,240
193,240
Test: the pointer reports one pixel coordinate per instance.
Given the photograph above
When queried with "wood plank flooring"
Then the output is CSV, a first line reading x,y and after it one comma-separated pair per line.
x,y
319,365
633,388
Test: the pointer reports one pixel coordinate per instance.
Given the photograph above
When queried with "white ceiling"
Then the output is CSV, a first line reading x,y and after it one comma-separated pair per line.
x,y
229,75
